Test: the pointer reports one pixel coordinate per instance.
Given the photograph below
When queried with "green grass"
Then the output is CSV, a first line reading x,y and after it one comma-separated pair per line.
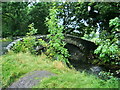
x,y
15,66
76,80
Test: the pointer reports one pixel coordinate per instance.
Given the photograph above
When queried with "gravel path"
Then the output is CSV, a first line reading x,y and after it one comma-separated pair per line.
x,y
31,79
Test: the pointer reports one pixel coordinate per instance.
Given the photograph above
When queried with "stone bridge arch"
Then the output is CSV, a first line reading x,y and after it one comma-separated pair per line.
x,y
79,48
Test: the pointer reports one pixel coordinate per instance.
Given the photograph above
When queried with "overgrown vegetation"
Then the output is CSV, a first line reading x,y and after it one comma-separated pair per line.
x,y
108,49
28,42
108,46
17,65
56,45
95,21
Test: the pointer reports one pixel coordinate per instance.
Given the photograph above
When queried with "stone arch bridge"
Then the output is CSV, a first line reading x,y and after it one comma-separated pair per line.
x,y
78,48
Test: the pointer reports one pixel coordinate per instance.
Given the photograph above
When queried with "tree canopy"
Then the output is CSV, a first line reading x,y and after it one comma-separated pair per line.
x,y
76,17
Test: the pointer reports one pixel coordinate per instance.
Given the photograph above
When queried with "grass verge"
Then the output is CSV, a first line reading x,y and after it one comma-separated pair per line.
x,y
15,66
76,80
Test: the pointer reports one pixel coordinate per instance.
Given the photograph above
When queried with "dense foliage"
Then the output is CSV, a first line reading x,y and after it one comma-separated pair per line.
x,y
16,16
28,43
81,16
56,45
108,48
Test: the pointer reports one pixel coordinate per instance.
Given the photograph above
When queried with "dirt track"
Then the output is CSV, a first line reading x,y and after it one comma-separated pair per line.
x,y
31,79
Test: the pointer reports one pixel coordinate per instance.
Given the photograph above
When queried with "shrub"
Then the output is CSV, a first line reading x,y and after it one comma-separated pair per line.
x,y
56,45
28,43
108,49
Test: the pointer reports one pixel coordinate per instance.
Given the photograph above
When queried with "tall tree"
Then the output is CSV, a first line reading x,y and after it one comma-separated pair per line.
x,y
38,15
86,17
14,18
